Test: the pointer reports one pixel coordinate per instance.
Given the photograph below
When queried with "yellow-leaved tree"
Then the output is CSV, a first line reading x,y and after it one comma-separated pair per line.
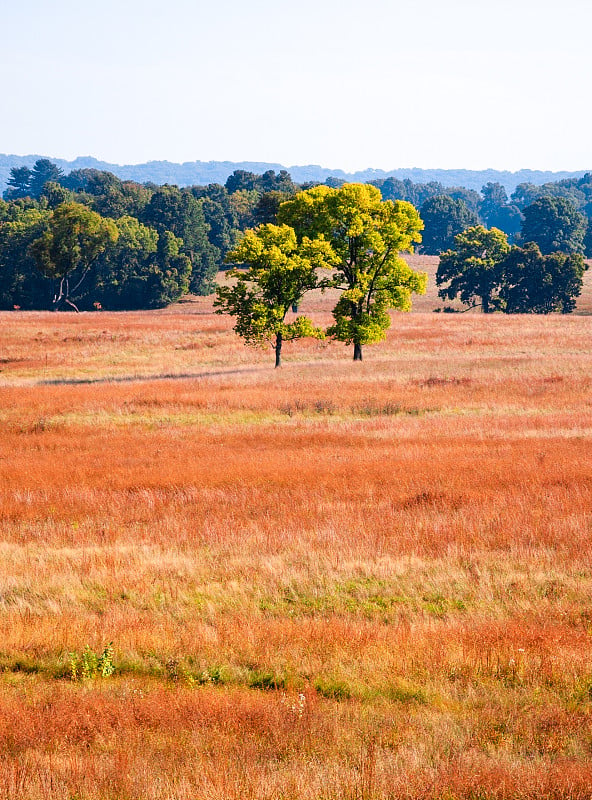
x,y
279,270
367,236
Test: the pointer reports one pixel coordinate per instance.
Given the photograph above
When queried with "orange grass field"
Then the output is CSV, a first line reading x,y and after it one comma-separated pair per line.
x,y
333,580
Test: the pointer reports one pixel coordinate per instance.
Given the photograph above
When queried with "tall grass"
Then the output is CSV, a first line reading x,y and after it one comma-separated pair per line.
x,y
329,581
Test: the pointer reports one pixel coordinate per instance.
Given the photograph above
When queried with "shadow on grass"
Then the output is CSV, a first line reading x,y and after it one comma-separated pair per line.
x,y
180,376
166,376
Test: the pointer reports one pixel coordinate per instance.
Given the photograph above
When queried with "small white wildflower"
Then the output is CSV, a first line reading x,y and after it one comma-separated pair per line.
x,y
297,706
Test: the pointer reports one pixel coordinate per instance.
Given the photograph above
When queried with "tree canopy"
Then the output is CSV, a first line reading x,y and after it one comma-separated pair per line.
x,y
178,211
366,235
540,284
18,183
554,224
74,238
21,283
142,269
279,271
497,212
471,269
205,222
443,218
482,267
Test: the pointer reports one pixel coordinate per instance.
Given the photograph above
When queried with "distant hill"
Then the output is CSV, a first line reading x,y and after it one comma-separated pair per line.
x,y
204,172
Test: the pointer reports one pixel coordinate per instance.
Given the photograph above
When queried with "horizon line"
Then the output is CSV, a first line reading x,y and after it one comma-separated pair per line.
x,y
292,166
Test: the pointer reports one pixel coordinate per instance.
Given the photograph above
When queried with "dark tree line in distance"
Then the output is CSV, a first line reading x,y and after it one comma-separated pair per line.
x,y
522,217
483,270
166,241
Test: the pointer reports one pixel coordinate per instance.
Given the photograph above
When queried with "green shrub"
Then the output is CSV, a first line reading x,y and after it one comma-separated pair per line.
x,y
89,665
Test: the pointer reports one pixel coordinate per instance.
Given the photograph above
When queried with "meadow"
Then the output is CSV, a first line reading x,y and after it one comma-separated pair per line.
x,y
329,581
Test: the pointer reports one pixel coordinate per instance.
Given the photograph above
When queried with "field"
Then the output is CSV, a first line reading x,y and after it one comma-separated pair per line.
x,y
330,581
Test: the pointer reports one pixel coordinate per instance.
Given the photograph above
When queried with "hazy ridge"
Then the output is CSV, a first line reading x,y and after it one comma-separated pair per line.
x,y
204,172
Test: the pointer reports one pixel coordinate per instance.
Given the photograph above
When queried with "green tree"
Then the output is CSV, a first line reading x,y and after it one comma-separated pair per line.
x,y
21,283
494,197
525,194
555,224
418,193
444,218
220,214
539,284
43,171
106,194
170,275
470,197
243,204
121,272
55,194
178,211
588,239
19,183
65,252
366,235
215,205
496,212
268,206
279,272
471,269
241,180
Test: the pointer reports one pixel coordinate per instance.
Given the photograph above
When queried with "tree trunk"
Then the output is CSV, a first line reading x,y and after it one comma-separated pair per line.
x,y
357,351
278,350
58,297
485,304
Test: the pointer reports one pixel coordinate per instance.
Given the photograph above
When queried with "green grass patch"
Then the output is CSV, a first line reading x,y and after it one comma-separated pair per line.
x,y
334,688
365,597
437,605
265,679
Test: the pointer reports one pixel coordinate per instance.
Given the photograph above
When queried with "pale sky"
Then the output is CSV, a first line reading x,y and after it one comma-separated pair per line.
x,y
343,84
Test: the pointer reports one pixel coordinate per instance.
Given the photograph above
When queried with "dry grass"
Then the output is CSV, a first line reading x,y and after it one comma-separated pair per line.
x,y
330,581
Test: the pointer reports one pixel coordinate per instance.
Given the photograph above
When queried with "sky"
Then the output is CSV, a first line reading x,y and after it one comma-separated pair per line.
x,y
345,84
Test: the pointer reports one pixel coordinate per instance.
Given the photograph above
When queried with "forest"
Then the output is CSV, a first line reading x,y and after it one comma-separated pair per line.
x,y
89,240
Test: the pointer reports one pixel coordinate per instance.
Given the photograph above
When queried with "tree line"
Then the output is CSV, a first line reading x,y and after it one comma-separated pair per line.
x,y
90,240
523,217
